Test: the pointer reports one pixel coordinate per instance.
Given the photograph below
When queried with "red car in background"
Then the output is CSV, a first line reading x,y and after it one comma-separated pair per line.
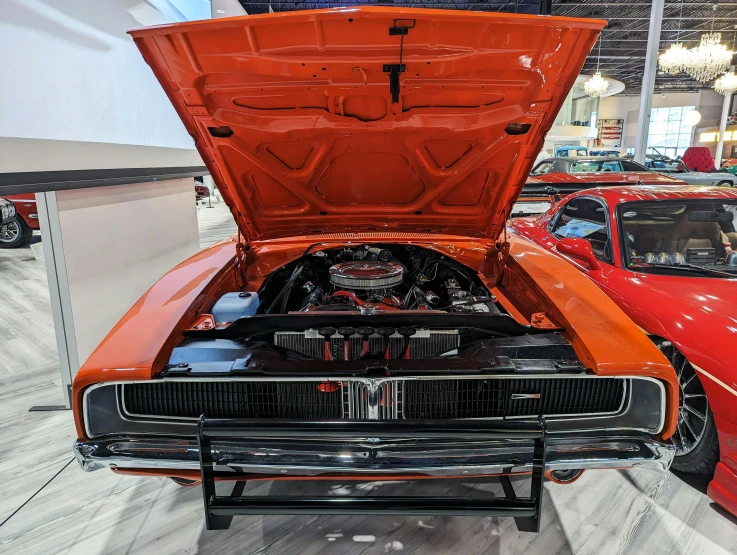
x,y
18,231
542,191
668,257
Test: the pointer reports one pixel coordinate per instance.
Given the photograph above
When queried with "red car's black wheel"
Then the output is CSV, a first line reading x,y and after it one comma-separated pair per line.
x,y
15,233
184,482
697,444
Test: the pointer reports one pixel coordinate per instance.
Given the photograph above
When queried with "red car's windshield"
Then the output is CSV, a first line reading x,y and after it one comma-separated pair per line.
x,y
681,235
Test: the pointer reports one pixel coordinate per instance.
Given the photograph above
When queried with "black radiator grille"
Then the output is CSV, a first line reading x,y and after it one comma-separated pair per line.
x,y
234,400
351,399
441,399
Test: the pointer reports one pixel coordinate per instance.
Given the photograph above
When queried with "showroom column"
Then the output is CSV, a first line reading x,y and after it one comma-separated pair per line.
x,y
723,126
648,79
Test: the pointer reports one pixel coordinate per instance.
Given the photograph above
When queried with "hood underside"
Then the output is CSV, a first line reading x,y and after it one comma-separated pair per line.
x,y
308,122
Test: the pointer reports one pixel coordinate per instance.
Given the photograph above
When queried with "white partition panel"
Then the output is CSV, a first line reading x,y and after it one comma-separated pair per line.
x,y
108,246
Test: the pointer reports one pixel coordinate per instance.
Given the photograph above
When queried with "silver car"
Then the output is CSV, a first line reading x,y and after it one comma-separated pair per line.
x,y
678,169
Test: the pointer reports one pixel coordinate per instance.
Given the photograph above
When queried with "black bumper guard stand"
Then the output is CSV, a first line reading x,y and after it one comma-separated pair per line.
x,y
219,510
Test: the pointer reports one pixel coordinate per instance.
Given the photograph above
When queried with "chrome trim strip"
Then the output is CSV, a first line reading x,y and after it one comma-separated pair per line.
x,y
368,382
599,453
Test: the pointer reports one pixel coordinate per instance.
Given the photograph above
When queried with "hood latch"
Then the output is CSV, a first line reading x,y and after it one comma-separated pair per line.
x,y
401,28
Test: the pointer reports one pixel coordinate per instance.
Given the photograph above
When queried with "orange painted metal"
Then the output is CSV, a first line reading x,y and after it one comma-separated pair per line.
x,y
140,344
292,113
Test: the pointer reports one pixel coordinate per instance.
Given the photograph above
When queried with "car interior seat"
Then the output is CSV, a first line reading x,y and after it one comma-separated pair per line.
x,y
695,235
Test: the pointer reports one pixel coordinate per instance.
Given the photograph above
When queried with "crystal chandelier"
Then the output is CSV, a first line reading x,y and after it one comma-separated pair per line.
x,y
673,60
726,84
710,58
597,85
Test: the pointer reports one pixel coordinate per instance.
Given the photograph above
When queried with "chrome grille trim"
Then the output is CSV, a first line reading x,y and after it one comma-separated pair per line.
x,y
362,397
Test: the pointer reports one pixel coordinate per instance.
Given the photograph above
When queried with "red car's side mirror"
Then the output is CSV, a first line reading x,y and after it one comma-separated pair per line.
x,y
580,249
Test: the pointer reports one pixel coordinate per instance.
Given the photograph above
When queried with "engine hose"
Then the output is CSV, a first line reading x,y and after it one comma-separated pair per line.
x,y
348,294
286,289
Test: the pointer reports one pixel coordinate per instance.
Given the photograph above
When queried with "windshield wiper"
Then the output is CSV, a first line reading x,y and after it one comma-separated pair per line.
x,y
686,267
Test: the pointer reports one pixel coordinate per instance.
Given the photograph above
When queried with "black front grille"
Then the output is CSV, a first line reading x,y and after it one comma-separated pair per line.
x,y
350,399
277,400
443,399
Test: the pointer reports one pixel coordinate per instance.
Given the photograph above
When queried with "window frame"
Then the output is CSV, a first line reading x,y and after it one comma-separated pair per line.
x,y
554,221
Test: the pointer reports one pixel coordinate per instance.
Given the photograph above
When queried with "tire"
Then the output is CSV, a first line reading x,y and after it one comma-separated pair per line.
x,y
15,234
697,444
725,184
184,482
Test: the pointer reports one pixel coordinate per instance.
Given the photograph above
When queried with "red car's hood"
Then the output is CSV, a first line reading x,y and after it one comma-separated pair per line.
x,y
292,112
713,296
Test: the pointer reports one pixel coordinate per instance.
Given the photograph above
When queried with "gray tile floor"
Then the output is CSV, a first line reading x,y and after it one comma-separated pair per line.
x,y
621,512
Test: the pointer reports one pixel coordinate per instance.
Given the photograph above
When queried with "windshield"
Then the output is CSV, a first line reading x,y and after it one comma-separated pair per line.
x,y
680,235
585,166
667,165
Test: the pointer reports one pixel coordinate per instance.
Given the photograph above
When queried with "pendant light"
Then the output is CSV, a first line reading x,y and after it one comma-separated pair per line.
x,y
674,60
596,86
710,58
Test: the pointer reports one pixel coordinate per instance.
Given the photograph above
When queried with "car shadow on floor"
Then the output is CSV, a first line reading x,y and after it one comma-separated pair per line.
x,y
700,482
339,534
386,533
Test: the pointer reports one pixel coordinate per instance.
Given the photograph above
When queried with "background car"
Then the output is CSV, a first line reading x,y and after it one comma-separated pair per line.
x,y
593,169
201,192
541,192
668,258
7,210
18,231
570,150
682,169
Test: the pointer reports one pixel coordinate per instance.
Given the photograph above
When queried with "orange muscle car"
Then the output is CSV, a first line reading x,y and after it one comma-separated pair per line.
x,y
372,319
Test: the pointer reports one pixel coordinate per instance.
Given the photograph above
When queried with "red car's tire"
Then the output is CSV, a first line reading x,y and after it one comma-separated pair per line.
x,y
184,482
696,438
14,234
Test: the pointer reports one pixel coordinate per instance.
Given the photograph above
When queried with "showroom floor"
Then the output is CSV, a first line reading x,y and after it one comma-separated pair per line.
x,y
75,512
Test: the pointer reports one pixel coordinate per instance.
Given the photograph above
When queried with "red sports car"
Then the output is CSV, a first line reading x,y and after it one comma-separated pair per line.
x,y
18,231
668,257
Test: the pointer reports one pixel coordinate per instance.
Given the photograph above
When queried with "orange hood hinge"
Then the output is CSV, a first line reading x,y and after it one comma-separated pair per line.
x,y
244,257
497,255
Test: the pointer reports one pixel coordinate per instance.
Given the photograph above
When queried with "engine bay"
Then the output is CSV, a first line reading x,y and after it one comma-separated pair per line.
x,y
369,279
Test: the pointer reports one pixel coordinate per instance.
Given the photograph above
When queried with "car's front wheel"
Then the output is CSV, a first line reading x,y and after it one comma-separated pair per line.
x,y
697,444
15,233
725,184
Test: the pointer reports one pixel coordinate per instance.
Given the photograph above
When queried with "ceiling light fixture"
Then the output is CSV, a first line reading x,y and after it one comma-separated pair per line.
x,y
710,58
674,60
727,83
597,85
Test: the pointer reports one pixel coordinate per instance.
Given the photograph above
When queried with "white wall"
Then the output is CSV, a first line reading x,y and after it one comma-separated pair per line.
x,y
706,101
73,74
628,108
117,242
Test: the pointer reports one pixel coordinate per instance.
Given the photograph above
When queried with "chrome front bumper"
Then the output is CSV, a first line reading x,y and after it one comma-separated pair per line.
x,y
376,455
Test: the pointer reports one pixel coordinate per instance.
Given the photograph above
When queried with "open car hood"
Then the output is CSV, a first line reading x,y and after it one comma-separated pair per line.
x,y
297,119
